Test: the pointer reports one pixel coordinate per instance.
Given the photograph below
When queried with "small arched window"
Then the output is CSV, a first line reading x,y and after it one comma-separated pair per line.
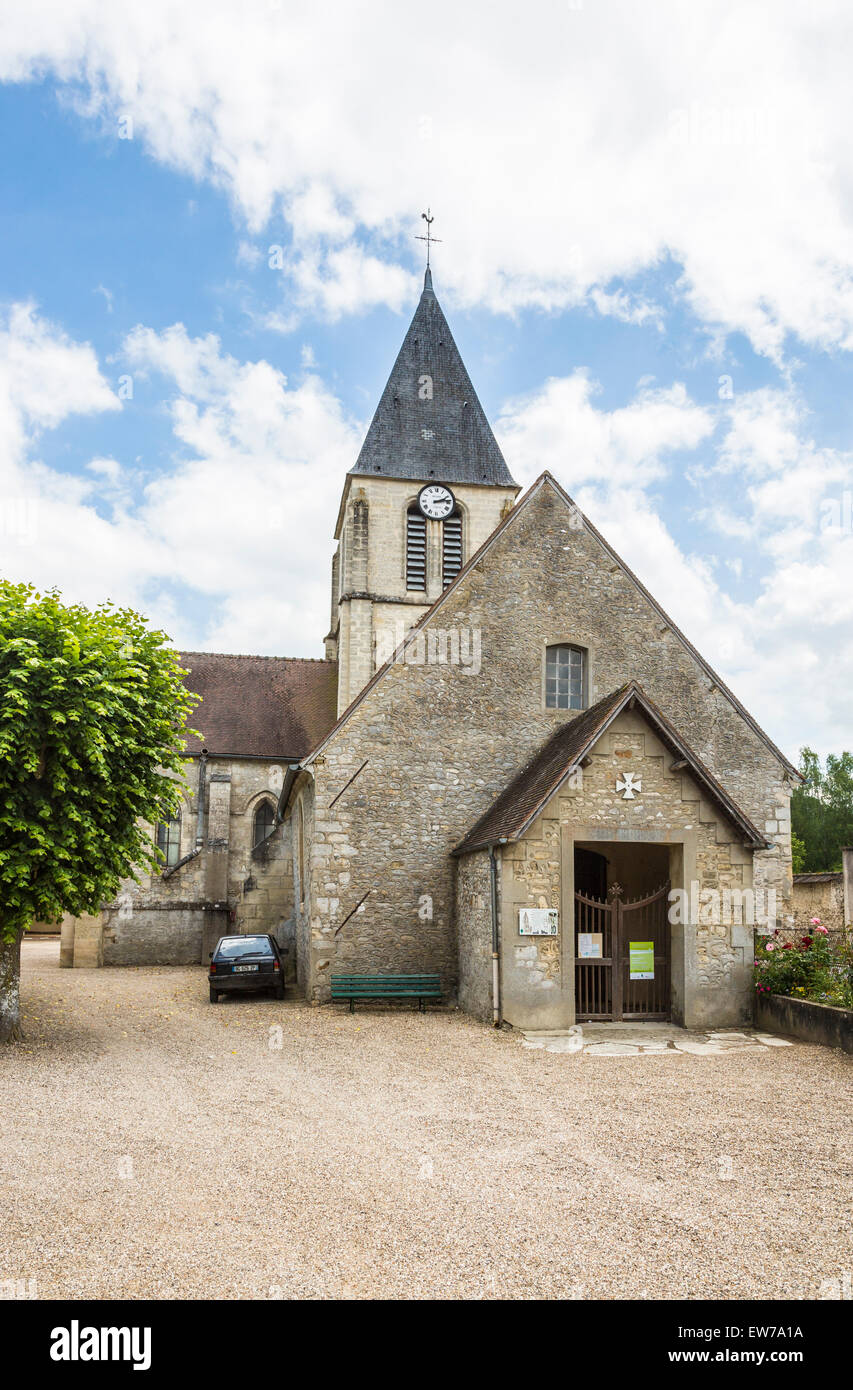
x,y
263,823
415,549
565,677
451,548
168,839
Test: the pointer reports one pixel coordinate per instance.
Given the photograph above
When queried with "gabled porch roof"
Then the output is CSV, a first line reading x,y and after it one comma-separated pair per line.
x,y
527,795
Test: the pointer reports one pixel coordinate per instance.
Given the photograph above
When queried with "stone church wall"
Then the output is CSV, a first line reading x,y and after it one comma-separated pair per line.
x,y
373,546
712,959
174,920
266,895
474,923
314,949
441,740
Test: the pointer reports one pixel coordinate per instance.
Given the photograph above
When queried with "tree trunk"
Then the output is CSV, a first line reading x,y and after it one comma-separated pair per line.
x,y
10,997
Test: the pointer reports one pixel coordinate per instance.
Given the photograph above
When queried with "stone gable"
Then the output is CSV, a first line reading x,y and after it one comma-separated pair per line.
x,y
668,832
441,739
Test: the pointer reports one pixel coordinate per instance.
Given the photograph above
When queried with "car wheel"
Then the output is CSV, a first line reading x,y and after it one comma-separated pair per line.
x,y
214,996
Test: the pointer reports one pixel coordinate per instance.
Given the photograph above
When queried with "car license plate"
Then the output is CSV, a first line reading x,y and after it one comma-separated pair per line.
x,y
244,967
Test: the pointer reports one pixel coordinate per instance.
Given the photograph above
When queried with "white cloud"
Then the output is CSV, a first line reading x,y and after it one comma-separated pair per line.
x,y
562,147
559,427
227,549
785,647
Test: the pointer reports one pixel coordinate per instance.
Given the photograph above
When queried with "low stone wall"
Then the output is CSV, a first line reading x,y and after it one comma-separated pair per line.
x,y
167,934
46,928
818,895
803,1019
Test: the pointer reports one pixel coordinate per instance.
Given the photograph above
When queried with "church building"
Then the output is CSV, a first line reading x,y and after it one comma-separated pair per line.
x,y
511,768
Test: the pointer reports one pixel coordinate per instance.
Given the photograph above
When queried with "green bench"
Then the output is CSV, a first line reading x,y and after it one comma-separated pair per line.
x,y
354,987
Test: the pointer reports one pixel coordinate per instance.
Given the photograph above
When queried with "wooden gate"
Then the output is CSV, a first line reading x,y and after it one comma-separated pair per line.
x,y
603,985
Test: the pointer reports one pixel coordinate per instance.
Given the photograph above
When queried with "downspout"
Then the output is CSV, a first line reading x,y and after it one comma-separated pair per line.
x,y
496,970
199,817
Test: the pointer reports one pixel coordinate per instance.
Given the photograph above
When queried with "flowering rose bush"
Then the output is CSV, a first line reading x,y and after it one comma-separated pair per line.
x,y
812,968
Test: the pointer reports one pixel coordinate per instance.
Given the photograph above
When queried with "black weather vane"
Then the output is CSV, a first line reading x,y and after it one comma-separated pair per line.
x,y
429,238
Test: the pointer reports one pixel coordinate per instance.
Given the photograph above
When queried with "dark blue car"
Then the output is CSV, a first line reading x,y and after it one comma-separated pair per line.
x,y
242,963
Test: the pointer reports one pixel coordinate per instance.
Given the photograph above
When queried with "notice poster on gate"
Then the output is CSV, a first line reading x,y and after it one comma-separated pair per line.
x,y
641,958
589,945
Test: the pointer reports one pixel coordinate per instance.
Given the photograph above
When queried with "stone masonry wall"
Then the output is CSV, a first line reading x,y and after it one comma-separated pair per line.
x,y
373,546
266,901
474,918
156,920
441,740
669,811
306,969
824,900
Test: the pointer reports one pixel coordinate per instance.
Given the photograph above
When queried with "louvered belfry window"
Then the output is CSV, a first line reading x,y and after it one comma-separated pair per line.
x,y
565,677
451,555
415,549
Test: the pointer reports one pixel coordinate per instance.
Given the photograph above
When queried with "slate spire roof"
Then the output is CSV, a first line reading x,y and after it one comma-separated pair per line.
x,y
429,422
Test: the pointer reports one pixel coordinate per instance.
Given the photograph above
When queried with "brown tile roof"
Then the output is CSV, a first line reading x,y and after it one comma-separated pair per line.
x,y
828,876
260,706
521,802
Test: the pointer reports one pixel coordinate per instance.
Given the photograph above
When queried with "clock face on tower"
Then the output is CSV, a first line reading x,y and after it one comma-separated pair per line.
x,y
436,501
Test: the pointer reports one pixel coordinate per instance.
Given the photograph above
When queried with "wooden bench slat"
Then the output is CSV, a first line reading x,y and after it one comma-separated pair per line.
x,y
398,988
365,989
354,987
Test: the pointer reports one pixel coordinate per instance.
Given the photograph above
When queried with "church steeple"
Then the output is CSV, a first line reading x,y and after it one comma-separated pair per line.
x,y
429,423
428,487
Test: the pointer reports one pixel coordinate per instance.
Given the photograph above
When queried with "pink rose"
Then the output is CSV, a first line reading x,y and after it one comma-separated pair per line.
x,y
815,921
771,946
823,930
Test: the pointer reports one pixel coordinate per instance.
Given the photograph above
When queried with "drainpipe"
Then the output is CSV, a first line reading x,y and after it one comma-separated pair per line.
x,y
199,819
496,972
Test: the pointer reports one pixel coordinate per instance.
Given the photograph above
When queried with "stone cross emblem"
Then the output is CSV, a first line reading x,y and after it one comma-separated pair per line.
x,y
629,784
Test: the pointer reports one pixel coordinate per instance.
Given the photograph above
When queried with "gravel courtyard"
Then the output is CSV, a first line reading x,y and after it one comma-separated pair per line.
x,y
154,1145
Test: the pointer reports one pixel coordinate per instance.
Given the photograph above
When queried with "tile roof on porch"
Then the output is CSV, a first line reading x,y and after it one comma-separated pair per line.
x,y
518,805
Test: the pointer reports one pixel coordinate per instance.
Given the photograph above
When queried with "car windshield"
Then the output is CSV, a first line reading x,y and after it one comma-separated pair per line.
x,y
244,946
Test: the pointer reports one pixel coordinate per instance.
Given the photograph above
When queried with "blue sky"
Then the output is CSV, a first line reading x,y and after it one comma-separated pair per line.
x,y
646,260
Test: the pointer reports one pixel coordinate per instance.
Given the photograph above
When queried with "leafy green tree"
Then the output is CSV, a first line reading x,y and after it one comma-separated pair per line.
x,y
798,854
92,723
822,810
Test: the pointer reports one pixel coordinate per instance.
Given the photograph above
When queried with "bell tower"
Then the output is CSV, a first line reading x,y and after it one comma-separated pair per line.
x,y
428,487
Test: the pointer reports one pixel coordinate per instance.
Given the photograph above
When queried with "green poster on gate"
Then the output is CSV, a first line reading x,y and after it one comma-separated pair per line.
x,y
641,958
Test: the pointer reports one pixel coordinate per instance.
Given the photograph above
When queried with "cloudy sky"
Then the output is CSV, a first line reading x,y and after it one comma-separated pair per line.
x,y
208,222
